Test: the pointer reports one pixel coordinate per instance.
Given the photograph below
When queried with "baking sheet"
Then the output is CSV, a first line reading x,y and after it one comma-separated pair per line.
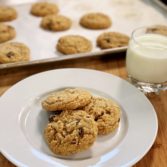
x,y
126,15
160,4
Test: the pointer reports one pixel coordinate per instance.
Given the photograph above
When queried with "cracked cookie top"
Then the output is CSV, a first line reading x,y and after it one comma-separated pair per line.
x,y
71,132
7,13
44,8
95,21
14,52
56,23
112,40
72,44
7,32
68,99
158,29
106,113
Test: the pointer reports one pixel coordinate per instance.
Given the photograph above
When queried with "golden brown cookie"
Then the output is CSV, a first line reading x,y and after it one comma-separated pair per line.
x,y
7,13
112,40
72,44
7,32
68,99
158,29
71,132
14,52
95,21
106,113
44,9
56,23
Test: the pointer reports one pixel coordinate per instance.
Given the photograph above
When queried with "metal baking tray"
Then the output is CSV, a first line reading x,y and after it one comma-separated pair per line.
x,y
161,4
126,15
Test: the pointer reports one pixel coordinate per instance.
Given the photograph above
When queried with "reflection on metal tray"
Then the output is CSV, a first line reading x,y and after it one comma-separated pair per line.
x,y
161,3
126,15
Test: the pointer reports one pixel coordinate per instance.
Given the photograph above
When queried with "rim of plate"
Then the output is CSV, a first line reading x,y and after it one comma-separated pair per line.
x,y
79,72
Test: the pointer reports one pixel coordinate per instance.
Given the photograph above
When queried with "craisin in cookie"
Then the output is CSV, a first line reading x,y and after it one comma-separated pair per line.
x,y
56,23
112,40
7,32
71,132
7,13
95,21
14,52
68,99
106,113
158,29
44,8
73,44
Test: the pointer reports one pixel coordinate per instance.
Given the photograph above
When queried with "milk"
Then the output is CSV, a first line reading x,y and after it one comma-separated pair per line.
x,y
147,58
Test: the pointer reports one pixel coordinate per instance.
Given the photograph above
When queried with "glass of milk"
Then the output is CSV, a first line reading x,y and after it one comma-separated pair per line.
x,y
146,60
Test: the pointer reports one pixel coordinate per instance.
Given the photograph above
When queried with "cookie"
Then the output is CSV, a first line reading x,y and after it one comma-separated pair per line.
x,y
112,40
72,44
56,23
7,32
43,9
158,29
106,113
7,13
68,99
14,52
95,21
71,132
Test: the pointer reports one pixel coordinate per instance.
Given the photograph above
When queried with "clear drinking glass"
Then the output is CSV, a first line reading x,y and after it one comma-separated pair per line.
x,y
146,60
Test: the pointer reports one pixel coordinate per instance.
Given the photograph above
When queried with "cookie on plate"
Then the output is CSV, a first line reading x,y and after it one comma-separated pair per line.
x,y
7,32
158,29
71,132
68,99
95,21
112,40
106,113
72,44
7,13
56,23
44,8
14,52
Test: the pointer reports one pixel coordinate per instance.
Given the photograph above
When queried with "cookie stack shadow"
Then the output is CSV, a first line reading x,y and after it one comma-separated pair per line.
x,y
76,119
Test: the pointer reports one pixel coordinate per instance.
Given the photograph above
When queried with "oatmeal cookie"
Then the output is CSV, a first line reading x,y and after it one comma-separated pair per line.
x,y
68,99
106,113
7,13
71,132
14,52
44,8
7,32
112,40
158,29
95,21
72,44
56,23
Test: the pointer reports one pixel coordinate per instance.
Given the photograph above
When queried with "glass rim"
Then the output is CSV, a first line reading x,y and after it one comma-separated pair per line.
x,y
144,28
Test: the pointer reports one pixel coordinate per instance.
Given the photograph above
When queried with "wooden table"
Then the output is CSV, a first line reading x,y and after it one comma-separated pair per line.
x,y
115,64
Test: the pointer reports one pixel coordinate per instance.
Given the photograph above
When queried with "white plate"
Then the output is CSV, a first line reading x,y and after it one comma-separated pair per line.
x,y
22,121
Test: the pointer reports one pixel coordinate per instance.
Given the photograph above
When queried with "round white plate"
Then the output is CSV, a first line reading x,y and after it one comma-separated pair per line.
x,y
22,121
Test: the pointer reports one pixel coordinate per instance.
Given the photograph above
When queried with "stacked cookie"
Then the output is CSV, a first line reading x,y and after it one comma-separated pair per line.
x,y
77,120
